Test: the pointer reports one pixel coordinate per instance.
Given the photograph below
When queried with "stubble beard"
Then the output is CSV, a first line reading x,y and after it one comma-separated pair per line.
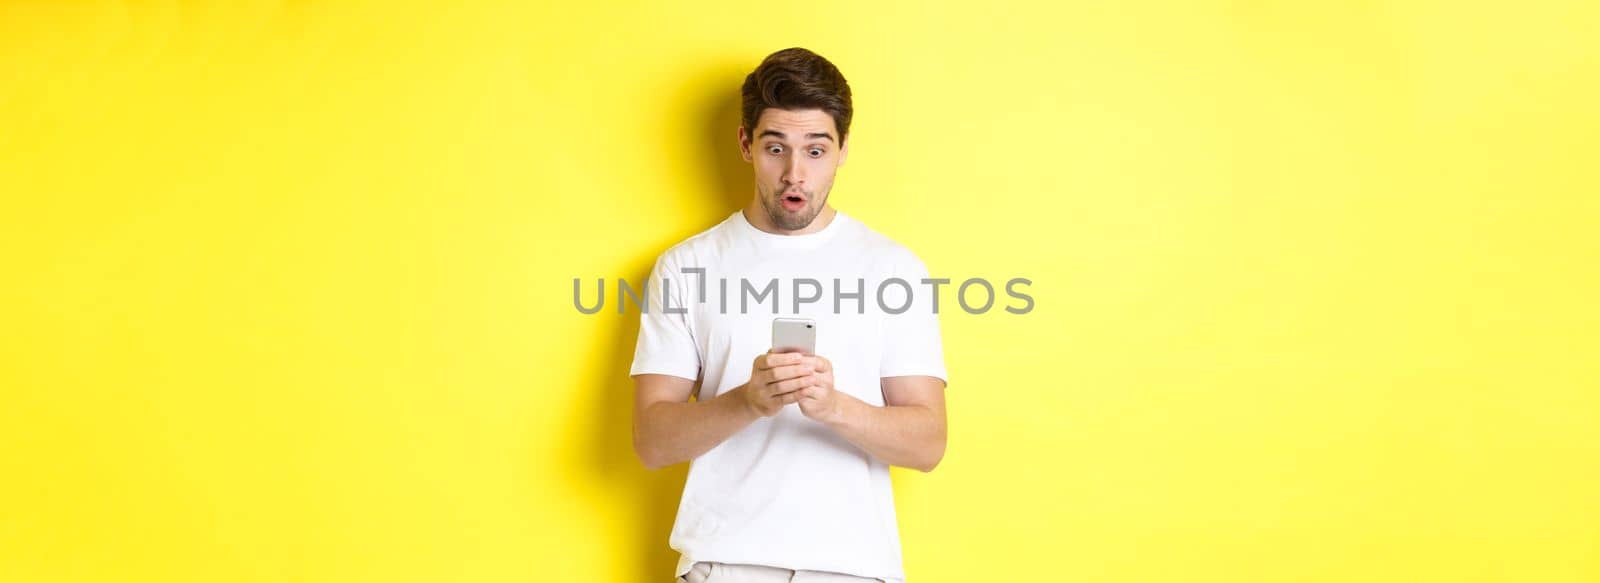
x,y
787,221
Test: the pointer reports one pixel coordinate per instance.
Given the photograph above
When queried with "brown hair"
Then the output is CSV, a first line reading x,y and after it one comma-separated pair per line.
x,y
796,78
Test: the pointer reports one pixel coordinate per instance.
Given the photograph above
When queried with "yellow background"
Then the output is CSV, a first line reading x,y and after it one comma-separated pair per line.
x,y
287,285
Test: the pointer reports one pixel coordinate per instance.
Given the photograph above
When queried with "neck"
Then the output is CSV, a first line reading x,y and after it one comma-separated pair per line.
x,y
757,215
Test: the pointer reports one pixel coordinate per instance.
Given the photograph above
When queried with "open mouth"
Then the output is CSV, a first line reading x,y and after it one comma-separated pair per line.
x,y
793,202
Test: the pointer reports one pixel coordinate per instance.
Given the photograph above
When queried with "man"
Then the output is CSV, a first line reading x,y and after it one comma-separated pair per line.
x,y
790,452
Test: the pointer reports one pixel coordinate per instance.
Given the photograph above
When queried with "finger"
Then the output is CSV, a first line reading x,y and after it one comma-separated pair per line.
x,y
822,364
775,388
791,393
793,384
774,360
783,373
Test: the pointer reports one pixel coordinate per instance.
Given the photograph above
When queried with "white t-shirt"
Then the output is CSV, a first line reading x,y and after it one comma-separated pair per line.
x,y
787,491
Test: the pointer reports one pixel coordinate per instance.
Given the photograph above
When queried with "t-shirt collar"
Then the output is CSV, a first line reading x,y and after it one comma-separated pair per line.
x,y
805,241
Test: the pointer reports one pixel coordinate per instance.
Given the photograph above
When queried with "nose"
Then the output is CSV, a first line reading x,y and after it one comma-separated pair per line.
x,y
791,174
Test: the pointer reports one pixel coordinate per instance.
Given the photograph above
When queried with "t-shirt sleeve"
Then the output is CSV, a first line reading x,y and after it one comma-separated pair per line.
x,y
666,343
912,346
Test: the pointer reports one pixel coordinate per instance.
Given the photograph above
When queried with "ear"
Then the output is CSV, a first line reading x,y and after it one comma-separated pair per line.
x,y
844,149
744,144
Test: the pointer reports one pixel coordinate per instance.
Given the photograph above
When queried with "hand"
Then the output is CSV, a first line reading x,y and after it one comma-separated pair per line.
x,y
818,400
775,380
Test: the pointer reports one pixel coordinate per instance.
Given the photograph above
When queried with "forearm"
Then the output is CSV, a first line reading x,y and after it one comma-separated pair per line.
x,y
671,432
911,436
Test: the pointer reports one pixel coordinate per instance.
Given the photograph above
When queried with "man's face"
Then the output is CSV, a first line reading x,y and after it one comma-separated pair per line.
x,y
795,154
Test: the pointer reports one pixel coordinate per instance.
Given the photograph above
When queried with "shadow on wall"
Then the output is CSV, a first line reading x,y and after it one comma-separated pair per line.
x,y
652,496
727,172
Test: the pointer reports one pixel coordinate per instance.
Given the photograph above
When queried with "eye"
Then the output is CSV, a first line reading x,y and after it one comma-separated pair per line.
x,y
774,149
816,152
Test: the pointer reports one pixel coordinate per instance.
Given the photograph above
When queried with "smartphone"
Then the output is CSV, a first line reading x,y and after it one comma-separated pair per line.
x,y
794,335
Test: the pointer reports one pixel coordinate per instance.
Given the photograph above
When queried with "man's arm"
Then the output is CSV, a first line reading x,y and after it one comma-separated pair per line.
x,y
908,431
668,429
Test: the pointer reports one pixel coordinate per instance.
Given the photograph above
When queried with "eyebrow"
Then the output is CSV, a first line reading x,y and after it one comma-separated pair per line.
x,y
781,136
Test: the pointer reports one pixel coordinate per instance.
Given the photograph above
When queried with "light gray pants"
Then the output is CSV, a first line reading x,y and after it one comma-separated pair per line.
x,y
709,572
